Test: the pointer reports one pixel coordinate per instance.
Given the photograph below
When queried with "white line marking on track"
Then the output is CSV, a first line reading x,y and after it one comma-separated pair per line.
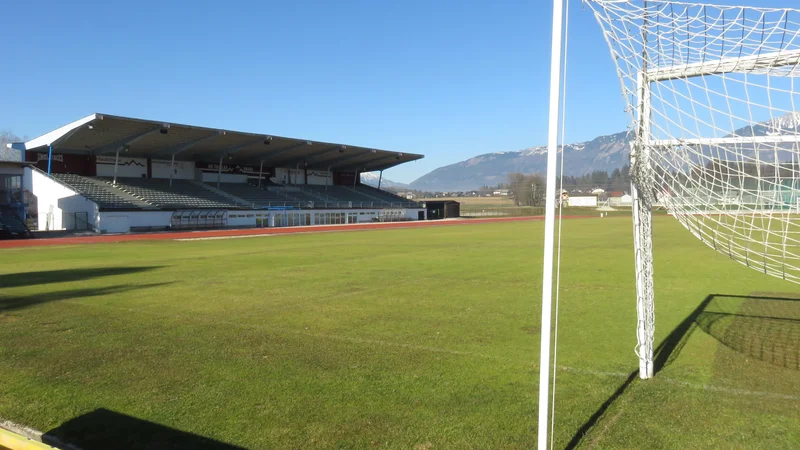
x,y
214,238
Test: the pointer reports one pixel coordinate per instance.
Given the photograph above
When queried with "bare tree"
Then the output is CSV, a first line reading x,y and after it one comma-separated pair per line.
x,y
7,154
527,189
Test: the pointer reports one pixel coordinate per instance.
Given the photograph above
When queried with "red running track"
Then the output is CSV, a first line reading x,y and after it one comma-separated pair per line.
x,y
171,235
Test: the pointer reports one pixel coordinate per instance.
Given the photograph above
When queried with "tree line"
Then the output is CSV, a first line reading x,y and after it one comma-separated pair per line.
x,y
529,189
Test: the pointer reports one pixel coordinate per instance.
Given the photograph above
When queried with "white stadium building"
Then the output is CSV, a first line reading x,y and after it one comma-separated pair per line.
x,y
116,174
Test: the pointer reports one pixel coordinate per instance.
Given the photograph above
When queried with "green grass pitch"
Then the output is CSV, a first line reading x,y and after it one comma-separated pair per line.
x,y
408,338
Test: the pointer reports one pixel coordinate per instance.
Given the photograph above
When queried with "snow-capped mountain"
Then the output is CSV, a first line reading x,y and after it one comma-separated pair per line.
x,y
602,153
371,179
785,124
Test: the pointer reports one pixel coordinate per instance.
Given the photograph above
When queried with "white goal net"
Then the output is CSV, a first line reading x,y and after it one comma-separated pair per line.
x,y
713,108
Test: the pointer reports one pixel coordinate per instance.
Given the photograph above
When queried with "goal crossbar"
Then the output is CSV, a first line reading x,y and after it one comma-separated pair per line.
x,y
750,63
733,140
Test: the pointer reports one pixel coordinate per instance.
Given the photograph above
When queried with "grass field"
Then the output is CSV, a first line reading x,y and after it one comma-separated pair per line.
x,y
410,339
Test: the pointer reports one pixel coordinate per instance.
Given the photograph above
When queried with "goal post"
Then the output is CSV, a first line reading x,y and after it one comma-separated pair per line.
x,y
642,210
713,111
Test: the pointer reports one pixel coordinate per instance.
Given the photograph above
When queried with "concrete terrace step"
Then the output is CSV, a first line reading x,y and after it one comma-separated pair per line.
x,y
107,186
238,200
366,194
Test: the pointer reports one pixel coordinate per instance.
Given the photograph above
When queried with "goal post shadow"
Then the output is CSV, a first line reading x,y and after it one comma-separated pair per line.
x,y
753,326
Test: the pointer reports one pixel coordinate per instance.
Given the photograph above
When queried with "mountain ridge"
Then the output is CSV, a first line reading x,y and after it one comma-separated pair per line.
x,y
604,153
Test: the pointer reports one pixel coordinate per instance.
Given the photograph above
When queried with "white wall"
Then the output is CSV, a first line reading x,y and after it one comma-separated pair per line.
x,y
245,218
127,167
289,176
625,200
364,216
583,201
63,200
160,168
121,222
413,214
281,176
319,177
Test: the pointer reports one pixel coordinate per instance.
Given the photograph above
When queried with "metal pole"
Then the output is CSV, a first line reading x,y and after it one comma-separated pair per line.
x,y
641,192
354,179
116,163
549,224
260,172
49,158
219,171
171,170
327,180
380,177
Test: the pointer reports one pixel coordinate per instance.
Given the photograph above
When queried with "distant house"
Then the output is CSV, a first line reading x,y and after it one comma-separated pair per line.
x,y
406,195
622,200
585,201
564,197
500,192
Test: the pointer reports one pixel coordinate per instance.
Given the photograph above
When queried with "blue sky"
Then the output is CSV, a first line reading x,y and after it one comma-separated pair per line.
x,y
448,79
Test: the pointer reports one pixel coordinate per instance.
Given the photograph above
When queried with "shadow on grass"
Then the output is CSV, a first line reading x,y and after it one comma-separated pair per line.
x,y
12,280
765,327
103,429
11,303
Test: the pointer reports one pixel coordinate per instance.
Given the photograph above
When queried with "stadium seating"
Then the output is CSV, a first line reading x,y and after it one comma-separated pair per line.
x,y
359,195
156,193
316,195
300,194
107,197
257,196
384,195
183,194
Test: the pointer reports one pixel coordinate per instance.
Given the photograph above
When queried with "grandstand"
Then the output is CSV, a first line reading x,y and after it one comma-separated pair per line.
x,y
124,174
174,194
106,197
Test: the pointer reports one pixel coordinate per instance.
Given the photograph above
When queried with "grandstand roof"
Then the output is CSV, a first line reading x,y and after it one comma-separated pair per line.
x,y
104,134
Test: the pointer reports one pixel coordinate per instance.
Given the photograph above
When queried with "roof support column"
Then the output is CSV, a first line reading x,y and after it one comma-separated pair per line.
x,y
49,158
219,171
380,177
355,177
116,163
260,173
327,179
171,169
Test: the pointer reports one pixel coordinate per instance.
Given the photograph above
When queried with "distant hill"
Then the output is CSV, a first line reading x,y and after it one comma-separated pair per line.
x,y
602,153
